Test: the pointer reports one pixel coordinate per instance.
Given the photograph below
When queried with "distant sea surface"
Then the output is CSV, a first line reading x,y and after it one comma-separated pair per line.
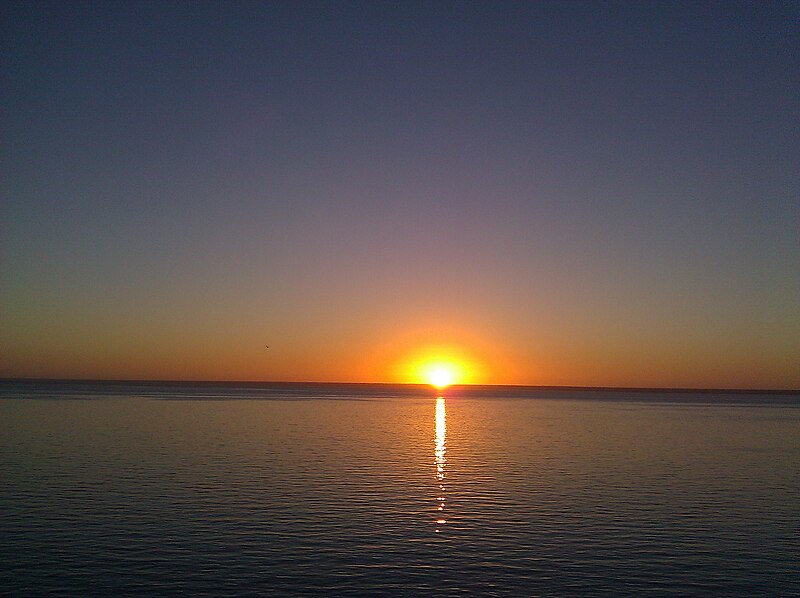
x,y
111,489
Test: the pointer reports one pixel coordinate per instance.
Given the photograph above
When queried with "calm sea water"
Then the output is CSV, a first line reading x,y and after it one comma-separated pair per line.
x,y
111,489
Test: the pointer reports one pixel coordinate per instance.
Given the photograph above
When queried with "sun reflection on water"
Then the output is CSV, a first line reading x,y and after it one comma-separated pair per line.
x,y
440,458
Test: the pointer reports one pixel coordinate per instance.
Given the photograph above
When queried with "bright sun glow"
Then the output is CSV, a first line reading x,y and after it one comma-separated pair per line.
x,y
440,367
440,376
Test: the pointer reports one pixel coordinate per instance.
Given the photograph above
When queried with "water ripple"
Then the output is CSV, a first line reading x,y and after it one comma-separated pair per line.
x,y
390,495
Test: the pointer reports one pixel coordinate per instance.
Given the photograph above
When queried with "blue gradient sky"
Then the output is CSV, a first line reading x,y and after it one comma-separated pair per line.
x,y
573,193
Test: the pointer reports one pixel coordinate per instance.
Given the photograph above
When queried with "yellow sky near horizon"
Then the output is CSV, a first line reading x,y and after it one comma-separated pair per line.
x,y
175,353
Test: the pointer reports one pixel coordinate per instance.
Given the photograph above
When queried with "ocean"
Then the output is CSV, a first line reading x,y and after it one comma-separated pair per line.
x,y
117,489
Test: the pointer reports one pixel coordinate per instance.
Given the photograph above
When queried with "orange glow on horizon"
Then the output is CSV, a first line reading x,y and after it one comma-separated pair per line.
x,y
440,367
440,376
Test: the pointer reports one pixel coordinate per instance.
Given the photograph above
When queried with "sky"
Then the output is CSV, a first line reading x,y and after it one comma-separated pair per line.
x,y
600,194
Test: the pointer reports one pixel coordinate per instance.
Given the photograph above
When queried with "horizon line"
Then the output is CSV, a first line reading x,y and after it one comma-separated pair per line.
x,y
175,382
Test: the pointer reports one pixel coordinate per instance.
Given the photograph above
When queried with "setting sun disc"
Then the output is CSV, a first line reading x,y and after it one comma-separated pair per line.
x,y
440,377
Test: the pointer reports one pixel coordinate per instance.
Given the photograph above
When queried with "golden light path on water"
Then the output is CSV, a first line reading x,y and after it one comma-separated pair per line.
x,y
440,458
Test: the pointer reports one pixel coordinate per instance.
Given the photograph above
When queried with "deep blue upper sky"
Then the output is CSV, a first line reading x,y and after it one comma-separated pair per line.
x,y
608,191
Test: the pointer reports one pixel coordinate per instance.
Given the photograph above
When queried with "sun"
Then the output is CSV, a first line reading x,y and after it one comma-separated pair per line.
x,y
440,376
439,366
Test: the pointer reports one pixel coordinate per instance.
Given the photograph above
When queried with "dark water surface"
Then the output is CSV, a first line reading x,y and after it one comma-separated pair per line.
x,y
381,490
